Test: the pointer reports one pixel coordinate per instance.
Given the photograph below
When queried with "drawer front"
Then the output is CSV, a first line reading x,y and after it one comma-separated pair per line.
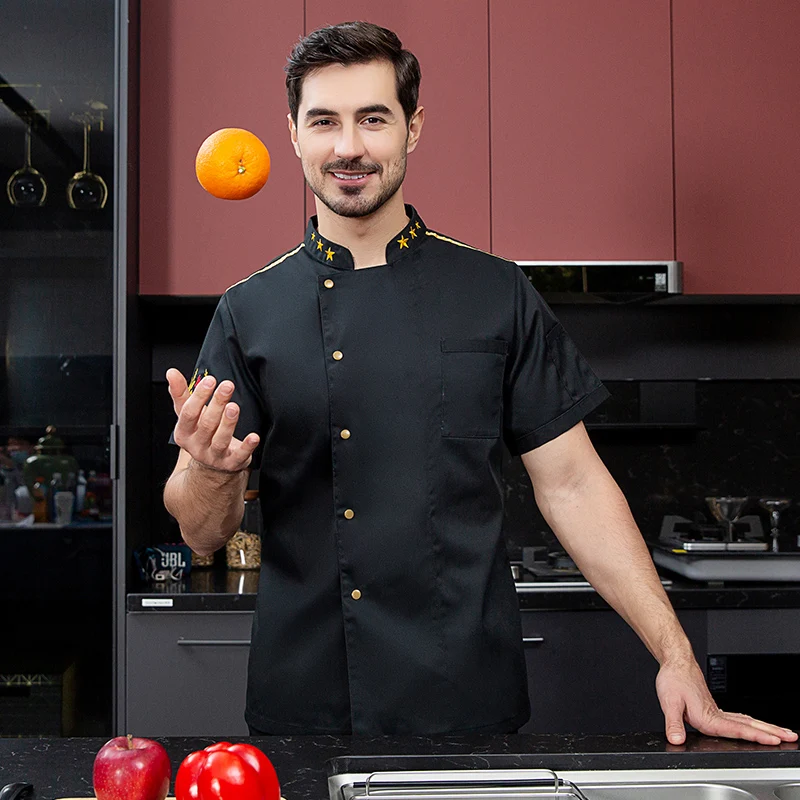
x,y
754,630
588,672
187,673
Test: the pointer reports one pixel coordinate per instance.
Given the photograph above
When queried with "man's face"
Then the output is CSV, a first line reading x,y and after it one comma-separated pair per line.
x,y
352,138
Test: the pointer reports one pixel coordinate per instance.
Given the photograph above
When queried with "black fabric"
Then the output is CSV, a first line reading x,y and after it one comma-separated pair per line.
x,y
431,362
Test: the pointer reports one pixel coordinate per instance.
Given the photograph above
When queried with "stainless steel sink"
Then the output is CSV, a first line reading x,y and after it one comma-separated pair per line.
x,y
529,784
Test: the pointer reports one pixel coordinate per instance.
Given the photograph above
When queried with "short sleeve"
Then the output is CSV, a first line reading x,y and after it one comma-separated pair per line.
x,y
221,356
549,386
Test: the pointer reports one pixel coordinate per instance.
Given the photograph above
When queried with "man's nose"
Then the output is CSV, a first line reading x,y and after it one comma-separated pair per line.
x,y
349,144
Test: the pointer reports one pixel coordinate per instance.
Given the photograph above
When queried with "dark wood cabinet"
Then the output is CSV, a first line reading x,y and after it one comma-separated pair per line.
x,y
187,673
736,156
581,143
588,672
206,66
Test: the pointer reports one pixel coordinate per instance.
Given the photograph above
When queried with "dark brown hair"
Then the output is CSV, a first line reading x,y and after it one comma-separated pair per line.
x,y
353,43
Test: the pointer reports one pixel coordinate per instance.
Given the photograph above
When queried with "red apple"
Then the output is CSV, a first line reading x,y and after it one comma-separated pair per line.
x,y
126,768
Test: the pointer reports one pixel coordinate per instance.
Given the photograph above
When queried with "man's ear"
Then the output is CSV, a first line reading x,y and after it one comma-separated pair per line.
x,y
415,129
293,134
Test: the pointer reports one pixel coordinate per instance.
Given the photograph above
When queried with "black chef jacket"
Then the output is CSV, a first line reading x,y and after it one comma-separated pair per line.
x,y
383,397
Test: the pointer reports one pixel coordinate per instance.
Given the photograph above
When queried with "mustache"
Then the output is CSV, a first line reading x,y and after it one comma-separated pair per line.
x,y
349,166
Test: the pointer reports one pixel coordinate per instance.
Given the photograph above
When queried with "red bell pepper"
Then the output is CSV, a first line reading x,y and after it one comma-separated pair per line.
x,y
225,771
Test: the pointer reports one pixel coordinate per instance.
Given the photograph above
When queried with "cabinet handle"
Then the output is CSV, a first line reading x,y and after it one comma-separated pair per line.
x,y
533,640
214,642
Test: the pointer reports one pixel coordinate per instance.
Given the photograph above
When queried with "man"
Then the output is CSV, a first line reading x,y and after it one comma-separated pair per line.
x,y
374,373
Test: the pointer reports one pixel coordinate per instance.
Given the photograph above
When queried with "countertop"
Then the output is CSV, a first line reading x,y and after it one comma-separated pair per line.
x,y
63,767
219,589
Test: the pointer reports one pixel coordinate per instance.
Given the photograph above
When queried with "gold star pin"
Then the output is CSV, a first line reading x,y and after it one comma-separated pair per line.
x,y
417,225
403,242
319,244
413,233
313,236
329,254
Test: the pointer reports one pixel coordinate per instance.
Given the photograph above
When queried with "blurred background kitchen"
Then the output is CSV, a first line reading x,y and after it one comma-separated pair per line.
x,y
658,138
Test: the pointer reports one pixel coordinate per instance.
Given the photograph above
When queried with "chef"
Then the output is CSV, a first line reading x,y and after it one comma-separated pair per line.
x,y
373,374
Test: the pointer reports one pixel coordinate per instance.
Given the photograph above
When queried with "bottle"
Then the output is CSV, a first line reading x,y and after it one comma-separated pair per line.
x,y
39,494
90,508
80,492
243,549
23,503
56,485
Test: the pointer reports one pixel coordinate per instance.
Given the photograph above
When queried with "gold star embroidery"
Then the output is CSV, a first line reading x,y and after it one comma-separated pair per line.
x,y
403,242
329,254
413,233
313,236
417,225
194,379
319,244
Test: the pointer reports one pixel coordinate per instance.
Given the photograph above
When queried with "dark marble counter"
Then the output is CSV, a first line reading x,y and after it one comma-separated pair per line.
x,y
63,767
231,590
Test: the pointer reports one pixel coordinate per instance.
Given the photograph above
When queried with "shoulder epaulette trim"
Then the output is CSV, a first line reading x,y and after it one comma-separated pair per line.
x,y
269,266
468,246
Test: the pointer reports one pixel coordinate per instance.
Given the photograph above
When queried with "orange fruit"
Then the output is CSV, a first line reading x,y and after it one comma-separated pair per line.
x,y
232,164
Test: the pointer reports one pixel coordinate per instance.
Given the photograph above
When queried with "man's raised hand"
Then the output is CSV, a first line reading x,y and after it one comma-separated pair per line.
x,y
206,431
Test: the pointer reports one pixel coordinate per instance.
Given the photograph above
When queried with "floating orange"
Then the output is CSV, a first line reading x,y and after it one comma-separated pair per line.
x,y
232,164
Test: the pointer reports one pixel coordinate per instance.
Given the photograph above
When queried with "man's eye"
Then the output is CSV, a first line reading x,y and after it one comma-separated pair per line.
x,y
321,123
373,120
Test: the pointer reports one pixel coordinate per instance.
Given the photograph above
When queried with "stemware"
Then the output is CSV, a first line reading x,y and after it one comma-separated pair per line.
x,y
26,188
774,505
86,190
727,510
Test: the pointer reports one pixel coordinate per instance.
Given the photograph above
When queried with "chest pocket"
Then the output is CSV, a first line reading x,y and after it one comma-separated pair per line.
x,y
472,387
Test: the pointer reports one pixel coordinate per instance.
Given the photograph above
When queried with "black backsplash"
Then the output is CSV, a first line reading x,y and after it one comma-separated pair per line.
x,y
668,444
745,443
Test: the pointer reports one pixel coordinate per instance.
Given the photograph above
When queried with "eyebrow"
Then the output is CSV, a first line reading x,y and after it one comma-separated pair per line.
x,y
376,108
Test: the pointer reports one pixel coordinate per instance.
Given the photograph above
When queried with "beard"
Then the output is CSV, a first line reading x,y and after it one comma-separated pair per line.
x,y
357,201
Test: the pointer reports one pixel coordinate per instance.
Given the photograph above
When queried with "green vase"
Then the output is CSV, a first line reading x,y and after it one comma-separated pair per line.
x,y
49,459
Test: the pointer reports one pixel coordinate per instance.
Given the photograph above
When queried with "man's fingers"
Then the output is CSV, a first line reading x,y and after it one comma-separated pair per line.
x,y
673,709
178,389
211,416
221,439
740,726
194,410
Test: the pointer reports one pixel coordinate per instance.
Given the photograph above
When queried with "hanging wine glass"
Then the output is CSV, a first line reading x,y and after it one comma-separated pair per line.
x,y
86,191
27,188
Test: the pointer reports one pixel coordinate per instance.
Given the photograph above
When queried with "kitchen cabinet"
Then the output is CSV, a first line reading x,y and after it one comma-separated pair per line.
x,y
448,173
588,672
736,82
204,67
187,673
581,141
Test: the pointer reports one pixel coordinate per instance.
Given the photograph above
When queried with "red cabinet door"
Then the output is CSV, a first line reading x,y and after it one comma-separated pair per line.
x,y
448,174
581,129
207,65
737,158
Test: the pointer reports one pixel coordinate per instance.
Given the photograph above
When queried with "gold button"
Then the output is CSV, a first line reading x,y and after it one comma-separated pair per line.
x,y
328,284
349,513
337,355
356,594
345,434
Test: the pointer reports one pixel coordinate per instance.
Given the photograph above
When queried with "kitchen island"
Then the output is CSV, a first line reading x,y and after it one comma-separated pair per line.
x,y
63,767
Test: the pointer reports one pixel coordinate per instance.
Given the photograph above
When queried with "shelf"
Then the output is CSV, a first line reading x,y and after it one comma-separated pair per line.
x,y
39,244
52,526
35,432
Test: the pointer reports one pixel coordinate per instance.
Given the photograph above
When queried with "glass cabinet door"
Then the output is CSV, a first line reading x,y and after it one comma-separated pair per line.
x,y
57,240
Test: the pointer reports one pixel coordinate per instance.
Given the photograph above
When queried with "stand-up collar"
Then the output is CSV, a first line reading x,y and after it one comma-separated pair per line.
x,y
339,257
